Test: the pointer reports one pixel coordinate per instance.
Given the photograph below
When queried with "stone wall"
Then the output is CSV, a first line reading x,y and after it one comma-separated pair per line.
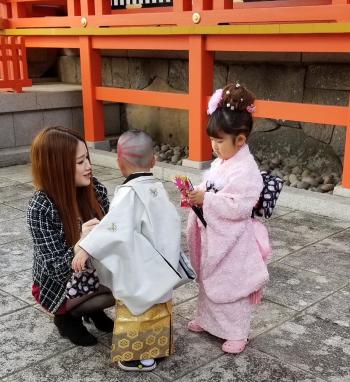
x,y
308,78
23,115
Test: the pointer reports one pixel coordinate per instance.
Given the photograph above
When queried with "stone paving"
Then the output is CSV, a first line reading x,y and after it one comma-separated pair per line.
x,y
301,331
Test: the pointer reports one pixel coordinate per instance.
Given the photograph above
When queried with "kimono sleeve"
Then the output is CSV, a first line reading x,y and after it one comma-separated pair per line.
x,y
234,202
113,235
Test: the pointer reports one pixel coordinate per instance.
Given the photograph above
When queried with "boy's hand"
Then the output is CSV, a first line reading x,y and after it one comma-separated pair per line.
x,y
79,260
196,197
88,226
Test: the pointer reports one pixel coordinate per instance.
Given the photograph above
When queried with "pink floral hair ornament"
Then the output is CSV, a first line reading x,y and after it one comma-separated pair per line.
x,y
214,101
251,109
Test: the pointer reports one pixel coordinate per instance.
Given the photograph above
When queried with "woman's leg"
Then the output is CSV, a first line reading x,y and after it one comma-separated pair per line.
x,y
70,324
91,308
106,302
72,328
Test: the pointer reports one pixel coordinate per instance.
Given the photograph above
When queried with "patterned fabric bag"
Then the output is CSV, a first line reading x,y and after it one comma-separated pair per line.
x,y
269,195
82,283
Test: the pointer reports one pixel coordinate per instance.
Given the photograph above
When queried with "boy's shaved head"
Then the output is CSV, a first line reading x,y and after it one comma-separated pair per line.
x,y
135,148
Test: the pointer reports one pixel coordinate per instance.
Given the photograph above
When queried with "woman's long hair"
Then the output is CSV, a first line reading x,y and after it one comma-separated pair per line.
x,y
53,156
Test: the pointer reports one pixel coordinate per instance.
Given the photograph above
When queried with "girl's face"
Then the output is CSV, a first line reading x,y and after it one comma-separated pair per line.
x,y
226,146
83,171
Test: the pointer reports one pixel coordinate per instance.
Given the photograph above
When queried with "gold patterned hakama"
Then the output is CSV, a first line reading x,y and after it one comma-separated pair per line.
x,y
148,335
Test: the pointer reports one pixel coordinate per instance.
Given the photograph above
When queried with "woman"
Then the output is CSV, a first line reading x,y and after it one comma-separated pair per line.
x,y
67,204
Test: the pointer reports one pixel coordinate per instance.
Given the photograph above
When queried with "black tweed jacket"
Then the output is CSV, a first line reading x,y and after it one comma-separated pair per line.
x,y
52,256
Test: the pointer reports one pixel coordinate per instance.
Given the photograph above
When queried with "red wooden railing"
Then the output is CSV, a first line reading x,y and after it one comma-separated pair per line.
x,y
13,64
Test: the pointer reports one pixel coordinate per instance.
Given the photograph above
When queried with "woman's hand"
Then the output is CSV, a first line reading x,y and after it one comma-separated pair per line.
x,y
88,226
80,259
196,197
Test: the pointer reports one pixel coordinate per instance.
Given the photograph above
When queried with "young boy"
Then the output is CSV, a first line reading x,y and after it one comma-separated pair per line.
x,y
137,248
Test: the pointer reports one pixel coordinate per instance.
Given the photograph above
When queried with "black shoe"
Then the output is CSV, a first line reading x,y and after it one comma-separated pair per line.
x,y
101,321
136,366
72,328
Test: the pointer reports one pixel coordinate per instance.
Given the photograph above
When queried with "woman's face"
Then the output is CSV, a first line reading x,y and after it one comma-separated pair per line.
x,y
83,171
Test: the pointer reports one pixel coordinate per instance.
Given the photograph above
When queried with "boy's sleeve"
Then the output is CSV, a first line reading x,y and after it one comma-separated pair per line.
x,y
113,235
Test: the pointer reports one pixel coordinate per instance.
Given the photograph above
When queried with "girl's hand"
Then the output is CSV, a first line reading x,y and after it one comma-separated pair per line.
x,y
88,226
196,197
80,259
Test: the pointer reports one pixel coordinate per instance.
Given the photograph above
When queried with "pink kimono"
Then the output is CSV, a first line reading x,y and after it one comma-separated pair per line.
x,y
229,255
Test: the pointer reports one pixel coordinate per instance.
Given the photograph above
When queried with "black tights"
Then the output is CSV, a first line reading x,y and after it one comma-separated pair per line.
x,y
93,305
101,299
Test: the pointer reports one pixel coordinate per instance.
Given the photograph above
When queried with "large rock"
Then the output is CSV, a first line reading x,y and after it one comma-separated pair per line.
x,y
165,125
332,77
325,58
288,142
159,68
265,124
120,72
112,119
69,52
69,69
274,82
134,73
249,57
139,73
40,61
338,140
318,131
220,76
178,75
78,66
107,78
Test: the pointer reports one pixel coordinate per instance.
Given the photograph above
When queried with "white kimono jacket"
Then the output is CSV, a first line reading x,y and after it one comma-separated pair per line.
x,y
137,245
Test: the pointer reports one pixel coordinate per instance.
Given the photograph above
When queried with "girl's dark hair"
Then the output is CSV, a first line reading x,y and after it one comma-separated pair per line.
x,y
231,116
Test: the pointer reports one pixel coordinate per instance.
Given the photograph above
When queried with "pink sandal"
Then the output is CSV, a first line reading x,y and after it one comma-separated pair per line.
x,y
194,327
234,347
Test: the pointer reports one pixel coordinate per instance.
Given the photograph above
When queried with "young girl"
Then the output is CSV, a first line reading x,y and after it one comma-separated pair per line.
x,y
229,254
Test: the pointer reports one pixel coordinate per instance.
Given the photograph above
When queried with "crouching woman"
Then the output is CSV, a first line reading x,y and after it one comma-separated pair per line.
x,y
67,204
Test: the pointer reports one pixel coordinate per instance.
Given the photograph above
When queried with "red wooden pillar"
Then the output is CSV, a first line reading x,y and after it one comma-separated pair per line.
x,y
73,8
346,167
199,5
91,77
4,11
102,7
223,4
201,74
182,5
18,10
87,7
